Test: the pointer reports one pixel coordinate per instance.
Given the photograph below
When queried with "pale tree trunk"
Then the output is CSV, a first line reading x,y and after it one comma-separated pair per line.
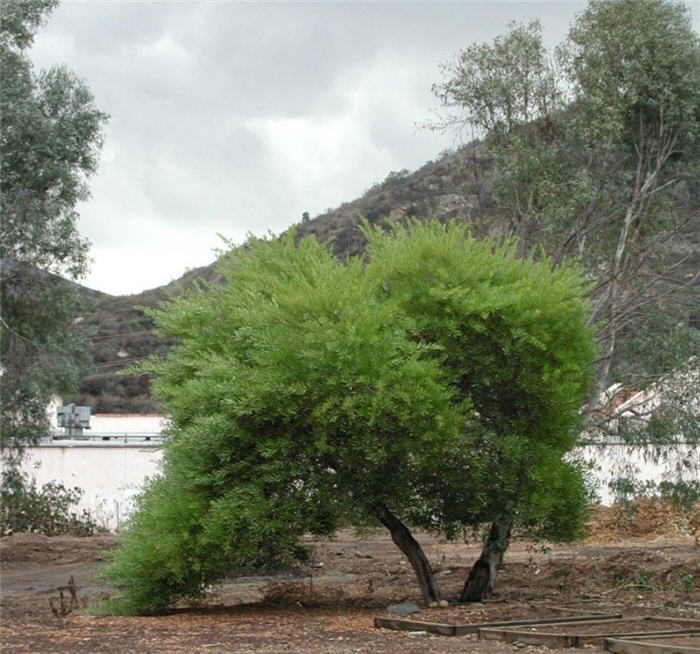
x,y
404,540
650,163
614,293
482,576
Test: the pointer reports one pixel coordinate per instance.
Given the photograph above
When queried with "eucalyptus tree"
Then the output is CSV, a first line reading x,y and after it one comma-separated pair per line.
x,y
635,69
50,143
596,152
509,93
596,147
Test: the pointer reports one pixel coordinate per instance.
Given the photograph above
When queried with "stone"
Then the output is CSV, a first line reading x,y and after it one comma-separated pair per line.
x,y
404,608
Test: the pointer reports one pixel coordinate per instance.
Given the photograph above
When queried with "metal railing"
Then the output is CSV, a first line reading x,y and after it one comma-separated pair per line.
x,y
116,437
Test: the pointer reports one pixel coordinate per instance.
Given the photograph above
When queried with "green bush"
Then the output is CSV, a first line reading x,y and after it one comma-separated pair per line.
x,y
440,377
26,507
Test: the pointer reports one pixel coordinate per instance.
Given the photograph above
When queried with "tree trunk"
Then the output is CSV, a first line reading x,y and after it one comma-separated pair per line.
x,y
401,535
482,576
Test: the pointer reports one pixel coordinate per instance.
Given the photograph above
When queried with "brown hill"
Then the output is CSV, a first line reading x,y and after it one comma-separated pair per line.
x,y
457,185
122,333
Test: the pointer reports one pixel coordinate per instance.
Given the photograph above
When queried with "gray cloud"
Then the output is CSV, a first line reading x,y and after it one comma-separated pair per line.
x,y
234,117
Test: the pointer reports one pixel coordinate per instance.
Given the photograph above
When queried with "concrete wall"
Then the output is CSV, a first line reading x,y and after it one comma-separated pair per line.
x,y
110,473
125,423
619,460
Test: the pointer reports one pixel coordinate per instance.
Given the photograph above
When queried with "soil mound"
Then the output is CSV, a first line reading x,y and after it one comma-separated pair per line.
x,y
644,519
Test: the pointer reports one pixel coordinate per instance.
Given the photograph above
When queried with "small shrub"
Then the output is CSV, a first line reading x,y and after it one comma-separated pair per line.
x,y
643,580
26,507
688,582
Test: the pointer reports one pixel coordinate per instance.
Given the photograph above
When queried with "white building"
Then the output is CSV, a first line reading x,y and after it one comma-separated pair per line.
x,y
109,462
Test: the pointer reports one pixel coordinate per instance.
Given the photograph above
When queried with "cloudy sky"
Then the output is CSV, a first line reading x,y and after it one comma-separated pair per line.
x,y
229,117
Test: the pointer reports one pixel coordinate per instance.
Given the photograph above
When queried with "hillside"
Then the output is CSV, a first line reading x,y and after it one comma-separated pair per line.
x,y
457,185
123,334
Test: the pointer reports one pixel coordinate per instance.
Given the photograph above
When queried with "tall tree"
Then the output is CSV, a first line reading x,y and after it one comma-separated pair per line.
x,y
595,154
595,150
51,138
510,93
635,69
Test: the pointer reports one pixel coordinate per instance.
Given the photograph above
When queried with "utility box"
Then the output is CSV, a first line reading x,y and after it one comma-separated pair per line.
x,y
73,419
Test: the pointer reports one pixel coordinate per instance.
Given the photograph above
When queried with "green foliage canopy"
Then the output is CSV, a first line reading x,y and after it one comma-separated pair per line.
x,y
509,335
306,393
51,139
636,66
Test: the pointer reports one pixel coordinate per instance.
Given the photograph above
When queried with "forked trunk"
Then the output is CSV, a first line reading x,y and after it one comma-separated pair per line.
x,y
401,535
482,576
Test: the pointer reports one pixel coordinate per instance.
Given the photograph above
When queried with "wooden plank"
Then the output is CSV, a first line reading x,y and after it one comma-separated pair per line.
x,y
623,646
636,635
528,637
572,639
405,624
666,618
566,609
463,629
691,634
577,621
401,624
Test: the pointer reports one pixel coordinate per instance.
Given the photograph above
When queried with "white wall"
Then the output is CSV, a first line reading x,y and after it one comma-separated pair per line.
x,y
113,424
617,460
109,473
125,423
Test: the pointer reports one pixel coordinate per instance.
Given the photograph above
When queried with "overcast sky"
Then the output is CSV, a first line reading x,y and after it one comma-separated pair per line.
x,y
228,118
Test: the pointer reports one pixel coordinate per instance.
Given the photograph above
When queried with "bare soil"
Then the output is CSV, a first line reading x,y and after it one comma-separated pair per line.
x,y
329,605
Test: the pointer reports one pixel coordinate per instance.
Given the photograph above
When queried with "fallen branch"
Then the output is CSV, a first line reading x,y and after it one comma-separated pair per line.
x,y
612,590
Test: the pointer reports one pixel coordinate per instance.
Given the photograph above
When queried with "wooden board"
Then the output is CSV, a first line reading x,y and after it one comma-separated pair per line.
x,y
570,619
654,645
499,612
575,611
402,624
444,629
592,631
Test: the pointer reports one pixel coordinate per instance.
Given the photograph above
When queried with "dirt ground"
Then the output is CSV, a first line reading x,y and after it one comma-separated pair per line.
x,y
643,564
